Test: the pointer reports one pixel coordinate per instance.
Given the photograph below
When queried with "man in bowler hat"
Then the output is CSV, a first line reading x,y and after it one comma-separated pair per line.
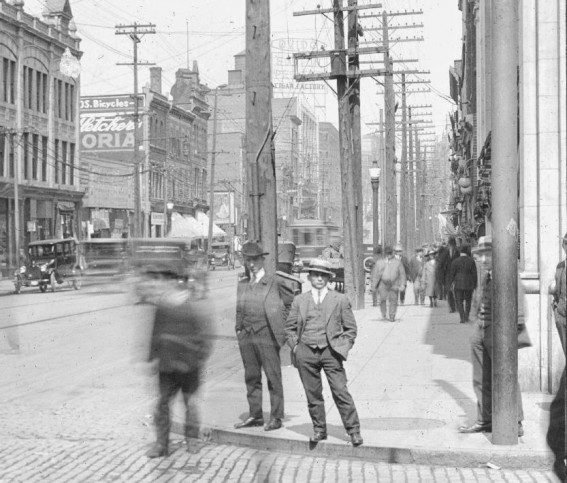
x,y
321,330
262,305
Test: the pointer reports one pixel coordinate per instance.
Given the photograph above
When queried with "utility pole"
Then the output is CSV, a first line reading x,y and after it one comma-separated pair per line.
x,y
212,176
410,223
403,202
345,69
135,31
260,158
504,222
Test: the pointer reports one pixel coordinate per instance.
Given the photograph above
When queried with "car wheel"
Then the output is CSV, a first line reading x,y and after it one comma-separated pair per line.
x,y
52,281
42,287
368,263
77,281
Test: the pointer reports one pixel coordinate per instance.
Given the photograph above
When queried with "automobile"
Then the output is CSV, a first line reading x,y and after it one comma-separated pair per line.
x,y
220,256
50,263
104,257
151,261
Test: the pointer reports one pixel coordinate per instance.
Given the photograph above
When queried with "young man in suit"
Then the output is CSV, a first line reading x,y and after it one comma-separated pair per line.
x,y
320,330
464,277
262,304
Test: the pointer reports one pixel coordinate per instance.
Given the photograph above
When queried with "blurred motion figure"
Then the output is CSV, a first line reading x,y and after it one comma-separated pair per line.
x,y
180,344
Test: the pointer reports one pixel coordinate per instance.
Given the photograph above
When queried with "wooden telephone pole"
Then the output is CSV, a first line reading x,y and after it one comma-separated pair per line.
x,y
345,69
260,159
135,31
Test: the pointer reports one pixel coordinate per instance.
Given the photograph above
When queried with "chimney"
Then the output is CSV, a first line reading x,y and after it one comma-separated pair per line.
x,y
155,79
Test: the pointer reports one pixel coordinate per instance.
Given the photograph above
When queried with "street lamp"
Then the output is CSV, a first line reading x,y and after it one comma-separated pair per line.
x,y
167,222
375,180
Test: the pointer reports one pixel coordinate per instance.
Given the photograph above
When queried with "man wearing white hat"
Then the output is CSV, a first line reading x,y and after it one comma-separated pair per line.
x,y
321,330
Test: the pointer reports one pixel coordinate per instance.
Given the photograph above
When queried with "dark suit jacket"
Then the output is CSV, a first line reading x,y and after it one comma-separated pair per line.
x,y
341,324
463,273
559,298
277,300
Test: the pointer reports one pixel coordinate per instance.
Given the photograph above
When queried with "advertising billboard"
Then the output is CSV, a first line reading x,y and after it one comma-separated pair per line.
x,y
224,208
107,126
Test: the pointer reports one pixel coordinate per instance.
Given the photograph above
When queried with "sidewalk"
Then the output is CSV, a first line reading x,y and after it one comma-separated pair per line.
x,y
412,383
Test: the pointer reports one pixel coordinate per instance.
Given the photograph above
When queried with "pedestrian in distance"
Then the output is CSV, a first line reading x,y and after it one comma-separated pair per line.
x,y
262,305
559,292
446,259
440,255
321,330
464,277
180,345
429,278
377,255
399,254
481,343
416,273
388,277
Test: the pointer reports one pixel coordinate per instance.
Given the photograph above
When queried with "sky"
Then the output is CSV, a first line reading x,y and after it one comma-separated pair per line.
x,y
214,32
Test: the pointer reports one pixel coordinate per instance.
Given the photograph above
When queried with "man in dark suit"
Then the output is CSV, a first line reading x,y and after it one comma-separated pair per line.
x,y
556,435
559,292
464,276
320,330
262,304
446,259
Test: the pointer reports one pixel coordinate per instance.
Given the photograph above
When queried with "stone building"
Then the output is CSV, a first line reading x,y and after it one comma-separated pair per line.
x,y
39,127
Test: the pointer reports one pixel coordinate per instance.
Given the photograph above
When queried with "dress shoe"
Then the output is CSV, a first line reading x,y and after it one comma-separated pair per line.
x,y
392,319
249,422
356,439
273,425
318,436
157,451
477,427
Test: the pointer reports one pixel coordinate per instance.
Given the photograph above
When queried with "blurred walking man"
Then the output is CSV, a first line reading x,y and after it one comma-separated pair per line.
x,y
321,330
262,304
464,276
388,277
416,272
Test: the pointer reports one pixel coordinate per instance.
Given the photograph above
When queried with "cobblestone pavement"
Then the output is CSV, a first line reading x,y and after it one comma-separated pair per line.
x,y
60,460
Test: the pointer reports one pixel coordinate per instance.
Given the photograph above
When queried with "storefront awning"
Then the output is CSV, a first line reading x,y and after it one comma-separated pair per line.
x,y
184,227
204,222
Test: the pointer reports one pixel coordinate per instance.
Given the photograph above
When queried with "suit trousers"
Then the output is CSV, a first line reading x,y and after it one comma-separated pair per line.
x,y
481,344
450,297
310,362
259,350
389,296
463,300
169,385
418,292
556,434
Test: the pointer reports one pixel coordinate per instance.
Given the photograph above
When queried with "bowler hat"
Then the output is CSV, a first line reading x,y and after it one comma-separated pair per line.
x,y
484,244
320,266
253,249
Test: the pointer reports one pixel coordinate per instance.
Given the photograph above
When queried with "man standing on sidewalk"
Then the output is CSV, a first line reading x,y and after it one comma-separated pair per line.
x,y
416,272
560,297
464,276
388,276
321,330
399,254
262,304
481,343
446,259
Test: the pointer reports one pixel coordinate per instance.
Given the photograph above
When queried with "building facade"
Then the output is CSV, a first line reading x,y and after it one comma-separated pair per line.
x,y
39,127
542,201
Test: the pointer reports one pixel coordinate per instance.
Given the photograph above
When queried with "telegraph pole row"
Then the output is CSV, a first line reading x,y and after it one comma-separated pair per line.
x,y
135,31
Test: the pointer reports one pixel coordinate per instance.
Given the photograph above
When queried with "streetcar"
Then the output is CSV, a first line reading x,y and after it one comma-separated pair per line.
x,y
311,237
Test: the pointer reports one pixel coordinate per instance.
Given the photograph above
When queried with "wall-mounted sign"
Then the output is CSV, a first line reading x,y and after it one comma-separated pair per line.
x,y
224,207
107,126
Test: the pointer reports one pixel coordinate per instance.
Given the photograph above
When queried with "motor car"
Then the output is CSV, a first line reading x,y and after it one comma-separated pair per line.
x,y
50,263
105,257
151,261
220,256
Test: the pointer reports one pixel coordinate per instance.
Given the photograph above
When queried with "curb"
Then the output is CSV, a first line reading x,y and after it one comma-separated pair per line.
x,y
509,457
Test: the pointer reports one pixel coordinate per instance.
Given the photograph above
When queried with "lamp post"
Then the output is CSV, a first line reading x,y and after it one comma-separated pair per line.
x,y
375,180
167,222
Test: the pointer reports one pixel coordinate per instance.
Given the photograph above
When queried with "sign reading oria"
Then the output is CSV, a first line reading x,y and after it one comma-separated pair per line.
x,y
107,126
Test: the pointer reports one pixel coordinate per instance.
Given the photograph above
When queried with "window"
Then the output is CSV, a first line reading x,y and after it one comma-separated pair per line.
x,y
71,163
12,140
43,158
35,155
63,162
56,163
67,101
26,149
2,153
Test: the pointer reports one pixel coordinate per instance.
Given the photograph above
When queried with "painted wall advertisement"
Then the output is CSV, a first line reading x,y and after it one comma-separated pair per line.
x,y
107,126
224,208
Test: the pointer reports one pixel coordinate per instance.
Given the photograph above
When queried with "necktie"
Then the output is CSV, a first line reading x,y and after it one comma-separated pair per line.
x,y
252,280
318,297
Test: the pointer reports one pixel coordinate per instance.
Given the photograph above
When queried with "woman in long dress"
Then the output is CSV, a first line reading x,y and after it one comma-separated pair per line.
x,y
428,278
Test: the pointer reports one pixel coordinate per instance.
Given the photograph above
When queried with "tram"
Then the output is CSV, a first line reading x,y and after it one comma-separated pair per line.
x,y
311,237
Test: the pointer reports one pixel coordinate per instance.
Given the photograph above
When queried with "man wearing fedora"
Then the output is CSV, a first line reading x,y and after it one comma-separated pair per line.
x,y
481,342
559,292
321,330
262,304
388,278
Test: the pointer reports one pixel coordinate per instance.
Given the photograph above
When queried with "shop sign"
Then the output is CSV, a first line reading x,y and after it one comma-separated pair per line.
x,y
107,126
157,218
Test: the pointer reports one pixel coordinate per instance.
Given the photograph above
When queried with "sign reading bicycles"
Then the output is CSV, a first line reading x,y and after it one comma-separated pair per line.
x,y
107,125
